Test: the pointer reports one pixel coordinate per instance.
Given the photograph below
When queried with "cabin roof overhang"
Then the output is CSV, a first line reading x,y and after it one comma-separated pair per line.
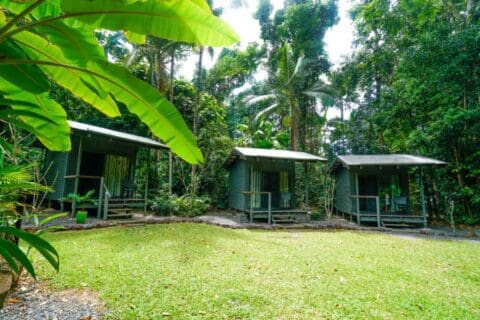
x,y
86,129
383,160
257,153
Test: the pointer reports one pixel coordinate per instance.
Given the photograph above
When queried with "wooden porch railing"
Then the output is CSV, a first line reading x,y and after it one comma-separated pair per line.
x,y
248,194
103,196
377,206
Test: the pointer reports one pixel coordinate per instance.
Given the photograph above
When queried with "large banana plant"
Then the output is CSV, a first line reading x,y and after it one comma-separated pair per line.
x,y
53,40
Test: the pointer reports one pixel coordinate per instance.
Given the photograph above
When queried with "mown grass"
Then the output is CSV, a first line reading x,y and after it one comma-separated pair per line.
x,y
190,271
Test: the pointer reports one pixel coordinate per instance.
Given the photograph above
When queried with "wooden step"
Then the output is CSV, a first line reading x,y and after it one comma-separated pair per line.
x,y
125,213
396,225
120,216
284,219
117,205
119,210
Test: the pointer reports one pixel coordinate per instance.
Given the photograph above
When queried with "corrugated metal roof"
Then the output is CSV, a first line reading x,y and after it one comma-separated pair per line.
x,y
271,154
384,160
116,135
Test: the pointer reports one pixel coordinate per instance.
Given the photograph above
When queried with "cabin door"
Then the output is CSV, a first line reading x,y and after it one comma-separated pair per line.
x,y
91,168
116,174
367,186
271,183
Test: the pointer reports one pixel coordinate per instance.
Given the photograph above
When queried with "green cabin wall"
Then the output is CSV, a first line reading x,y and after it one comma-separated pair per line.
x,y
55,168
343,190
65,163
239,178
237,184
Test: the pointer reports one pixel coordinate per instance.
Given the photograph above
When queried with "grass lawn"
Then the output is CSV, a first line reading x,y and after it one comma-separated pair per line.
x,y
193,271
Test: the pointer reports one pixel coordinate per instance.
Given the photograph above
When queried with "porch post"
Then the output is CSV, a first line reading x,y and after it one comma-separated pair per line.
x,y
146,183
422,197
77,173
100,198
252,193
377,202
358,200
269,208
170,172
306,186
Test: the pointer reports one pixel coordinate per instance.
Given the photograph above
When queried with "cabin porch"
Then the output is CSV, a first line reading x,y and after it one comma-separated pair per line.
x,y
105,161
262,184
386,190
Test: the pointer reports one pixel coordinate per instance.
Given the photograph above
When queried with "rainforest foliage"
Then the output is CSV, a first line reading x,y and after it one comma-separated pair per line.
x,y
415,79
411,85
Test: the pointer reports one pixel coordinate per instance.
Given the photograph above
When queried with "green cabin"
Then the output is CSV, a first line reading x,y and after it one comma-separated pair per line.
x,y
103,160
262,183
377,188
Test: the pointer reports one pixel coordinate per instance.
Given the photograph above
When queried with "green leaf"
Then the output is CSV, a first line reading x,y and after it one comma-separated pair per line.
x,y
26,77
49,8
42,246
3,18
162,118
49,230
52,217
180,20
154,110
38,114
135,37
8,113
9,251
81,84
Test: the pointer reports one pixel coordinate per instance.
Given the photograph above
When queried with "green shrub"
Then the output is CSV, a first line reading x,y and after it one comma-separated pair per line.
x,y
317,215
188,205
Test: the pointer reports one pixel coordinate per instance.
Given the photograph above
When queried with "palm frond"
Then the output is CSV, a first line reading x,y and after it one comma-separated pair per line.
x,y
254,99
265,112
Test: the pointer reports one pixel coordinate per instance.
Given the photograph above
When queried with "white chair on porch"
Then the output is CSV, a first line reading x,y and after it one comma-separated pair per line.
x,y
285,198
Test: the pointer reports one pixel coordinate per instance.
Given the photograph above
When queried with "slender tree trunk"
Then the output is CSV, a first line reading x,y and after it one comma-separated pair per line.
x,y
195,112
153,83
199,91
161,86
470,5
172,73
461,182
170,156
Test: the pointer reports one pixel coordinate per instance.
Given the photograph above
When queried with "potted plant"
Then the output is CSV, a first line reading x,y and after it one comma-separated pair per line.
x,y
82,201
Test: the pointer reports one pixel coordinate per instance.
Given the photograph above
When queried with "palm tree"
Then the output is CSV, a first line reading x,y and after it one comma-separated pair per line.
x,y
282,97
332,95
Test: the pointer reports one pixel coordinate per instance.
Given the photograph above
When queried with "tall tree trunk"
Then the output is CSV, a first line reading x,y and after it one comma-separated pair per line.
x,y
170,156
470,5
199,90
195,113
153,83
161,86
461,182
